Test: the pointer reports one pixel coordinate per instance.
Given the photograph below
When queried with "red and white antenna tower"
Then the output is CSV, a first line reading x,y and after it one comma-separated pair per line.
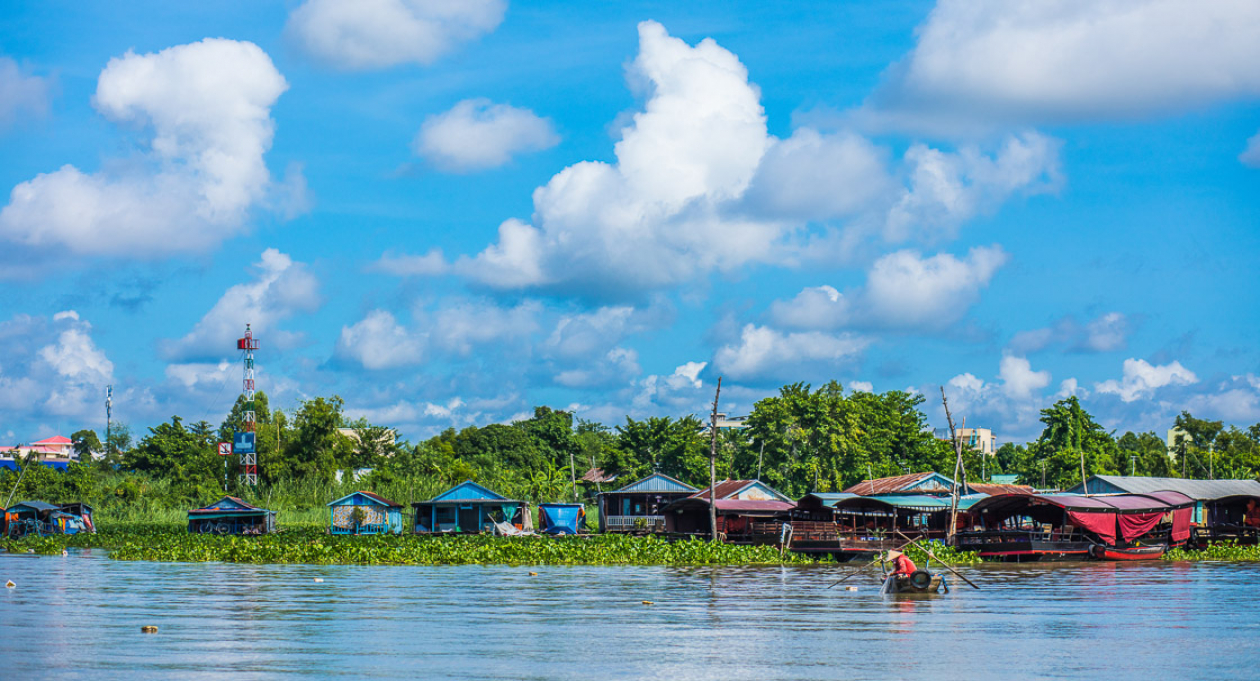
x,y
245,446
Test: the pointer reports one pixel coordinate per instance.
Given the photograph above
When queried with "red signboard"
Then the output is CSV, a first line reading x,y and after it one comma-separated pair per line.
x,y
225,449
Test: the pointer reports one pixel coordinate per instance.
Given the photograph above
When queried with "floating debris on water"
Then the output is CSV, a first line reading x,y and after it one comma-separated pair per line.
x,y
148,629
648,603
10,585
318,580
533,574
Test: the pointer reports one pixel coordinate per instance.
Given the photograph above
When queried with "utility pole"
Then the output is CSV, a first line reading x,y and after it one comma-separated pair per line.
x,y
713,536
958,469
759,455
1132,464
1084,484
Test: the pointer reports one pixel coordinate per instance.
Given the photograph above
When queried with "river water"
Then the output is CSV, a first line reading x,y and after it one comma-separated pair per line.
x,y
79,616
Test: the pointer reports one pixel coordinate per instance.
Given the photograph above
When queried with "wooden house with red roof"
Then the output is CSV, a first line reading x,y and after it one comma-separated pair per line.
x,y
748,512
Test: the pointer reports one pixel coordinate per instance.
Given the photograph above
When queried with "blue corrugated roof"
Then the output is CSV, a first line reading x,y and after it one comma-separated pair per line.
x,y
656,482
925,502
469,490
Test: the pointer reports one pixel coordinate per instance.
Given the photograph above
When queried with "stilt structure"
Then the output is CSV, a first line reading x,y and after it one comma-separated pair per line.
x,y
245,446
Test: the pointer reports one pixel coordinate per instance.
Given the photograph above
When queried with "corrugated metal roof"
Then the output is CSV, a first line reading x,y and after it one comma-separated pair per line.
x,y
471,491
370,495
597,475
900,483
1201,490
657,482
913,501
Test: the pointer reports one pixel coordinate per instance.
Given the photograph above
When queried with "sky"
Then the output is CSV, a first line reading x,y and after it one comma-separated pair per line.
x,y
449,212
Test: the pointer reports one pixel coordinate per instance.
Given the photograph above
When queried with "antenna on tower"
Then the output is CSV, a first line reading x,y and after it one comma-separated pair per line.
x,y
245,441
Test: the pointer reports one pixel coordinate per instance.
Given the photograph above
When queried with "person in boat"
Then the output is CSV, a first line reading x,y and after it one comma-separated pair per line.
x,y
1252,517
901,563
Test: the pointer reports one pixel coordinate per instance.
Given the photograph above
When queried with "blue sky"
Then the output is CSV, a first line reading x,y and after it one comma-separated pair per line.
x,y
449,212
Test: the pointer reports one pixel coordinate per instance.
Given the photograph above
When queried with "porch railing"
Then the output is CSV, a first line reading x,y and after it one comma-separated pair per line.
x,y
634,523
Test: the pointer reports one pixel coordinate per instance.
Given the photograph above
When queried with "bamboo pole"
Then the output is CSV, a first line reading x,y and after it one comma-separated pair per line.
x,y
713,536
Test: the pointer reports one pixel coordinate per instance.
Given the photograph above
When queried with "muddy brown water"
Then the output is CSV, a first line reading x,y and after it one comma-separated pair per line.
x,y
79,616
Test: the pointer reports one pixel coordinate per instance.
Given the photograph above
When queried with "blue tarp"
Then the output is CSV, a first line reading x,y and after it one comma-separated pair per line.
x,y
560,518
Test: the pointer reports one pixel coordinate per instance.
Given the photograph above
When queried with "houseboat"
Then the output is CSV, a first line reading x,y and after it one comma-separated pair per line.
x,y
364,513
748,512
1057,527
639,506
230,515
467,508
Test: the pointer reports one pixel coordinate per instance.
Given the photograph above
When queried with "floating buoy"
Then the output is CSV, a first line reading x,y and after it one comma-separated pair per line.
x,y
318,580
533,574
148,629
65,552
648,603
10,585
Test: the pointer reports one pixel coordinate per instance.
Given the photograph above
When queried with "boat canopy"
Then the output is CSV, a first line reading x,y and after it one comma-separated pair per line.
x,y
912,502
1131,514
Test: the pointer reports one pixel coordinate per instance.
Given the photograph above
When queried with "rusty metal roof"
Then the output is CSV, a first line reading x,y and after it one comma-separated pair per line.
x,y
897,483
729,488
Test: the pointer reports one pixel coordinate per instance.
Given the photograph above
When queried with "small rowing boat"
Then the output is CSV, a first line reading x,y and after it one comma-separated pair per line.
x,y
917,582
1148,552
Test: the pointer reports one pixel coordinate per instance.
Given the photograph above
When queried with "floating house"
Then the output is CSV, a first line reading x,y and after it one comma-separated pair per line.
x,y
40,518
84,513
364,513
748,512
849,525
561,518
639,506
230,515
466,508
1040,527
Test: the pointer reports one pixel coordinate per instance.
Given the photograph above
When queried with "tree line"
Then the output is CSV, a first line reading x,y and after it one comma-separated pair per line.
x,y
803,439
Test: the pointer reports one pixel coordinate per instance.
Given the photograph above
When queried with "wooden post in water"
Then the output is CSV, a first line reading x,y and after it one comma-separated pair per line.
x,y
713,464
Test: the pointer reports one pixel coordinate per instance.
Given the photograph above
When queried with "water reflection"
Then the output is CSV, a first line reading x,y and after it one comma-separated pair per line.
x,y
80,616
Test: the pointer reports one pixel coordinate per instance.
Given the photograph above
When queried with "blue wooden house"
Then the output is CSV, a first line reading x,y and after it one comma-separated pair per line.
x,y
230,515
466,508
364,513
40,518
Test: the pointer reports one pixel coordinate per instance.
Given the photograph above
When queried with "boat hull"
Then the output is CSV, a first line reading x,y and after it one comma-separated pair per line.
x,y
1023,550
1152,552
908,584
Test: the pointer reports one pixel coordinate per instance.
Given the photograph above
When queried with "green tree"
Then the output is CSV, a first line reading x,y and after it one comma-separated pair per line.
x,y
86,444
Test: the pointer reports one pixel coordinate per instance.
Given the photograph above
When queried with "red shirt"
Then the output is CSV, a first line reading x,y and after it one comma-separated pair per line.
x,y
902,565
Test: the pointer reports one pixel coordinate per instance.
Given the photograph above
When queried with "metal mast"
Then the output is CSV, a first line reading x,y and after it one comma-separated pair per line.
x,y
245,445
109,415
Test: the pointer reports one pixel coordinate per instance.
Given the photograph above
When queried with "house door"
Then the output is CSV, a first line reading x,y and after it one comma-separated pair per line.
x,y
469,518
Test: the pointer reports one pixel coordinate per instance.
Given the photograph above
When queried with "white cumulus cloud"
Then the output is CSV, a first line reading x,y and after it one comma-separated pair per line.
x,y
1026,61
477,134
763,353
1141,379
208,106
373,34
903,290
1019,381
1251,155
378,341
281,289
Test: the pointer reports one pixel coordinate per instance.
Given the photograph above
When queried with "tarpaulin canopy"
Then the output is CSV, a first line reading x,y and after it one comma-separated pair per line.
x,y
560,518
1134,525
1101,524
1181,524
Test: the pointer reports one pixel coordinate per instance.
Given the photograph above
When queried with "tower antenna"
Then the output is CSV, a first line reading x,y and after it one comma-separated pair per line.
x,y
245,440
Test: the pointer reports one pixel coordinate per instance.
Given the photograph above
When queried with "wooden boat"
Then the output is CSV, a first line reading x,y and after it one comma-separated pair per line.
x,y
1148,552
917,582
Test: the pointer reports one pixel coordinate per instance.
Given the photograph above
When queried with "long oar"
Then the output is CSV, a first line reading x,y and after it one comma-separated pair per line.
x,y
933,557
863,568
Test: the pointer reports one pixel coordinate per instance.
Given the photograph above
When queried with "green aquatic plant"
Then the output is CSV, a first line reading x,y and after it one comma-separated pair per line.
x,y
1227,550
311,545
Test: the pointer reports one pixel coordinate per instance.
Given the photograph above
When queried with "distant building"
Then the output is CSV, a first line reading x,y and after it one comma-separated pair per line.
x,y
387,439
725,422
977,439
55,452
1175,435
